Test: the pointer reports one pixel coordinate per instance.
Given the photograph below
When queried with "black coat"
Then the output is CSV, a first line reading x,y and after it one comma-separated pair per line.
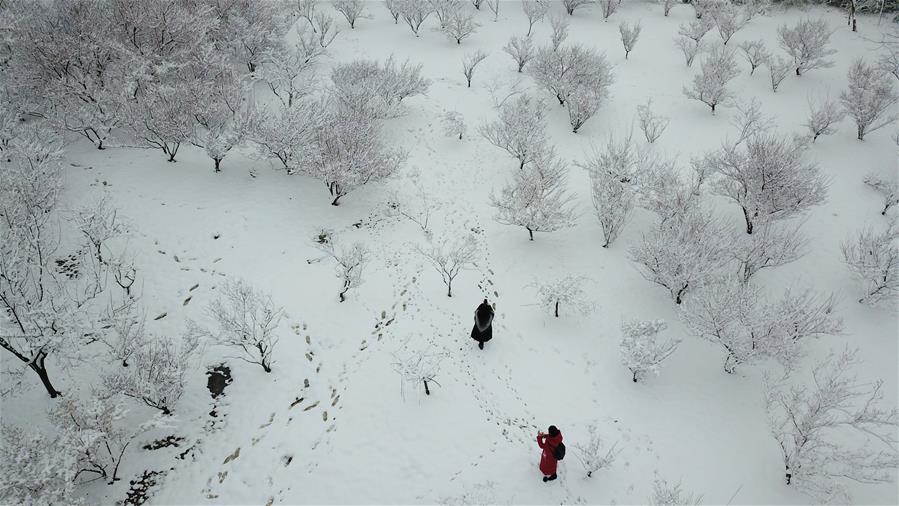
x,y
482,330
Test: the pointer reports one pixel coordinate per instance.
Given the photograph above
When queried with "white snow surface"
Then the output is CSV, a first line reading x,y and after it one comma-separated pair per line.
x,y
356,437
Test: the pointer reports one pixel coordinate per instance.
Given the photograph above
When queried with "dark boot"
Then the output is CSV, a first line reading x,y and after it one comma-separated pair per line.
x,y
545,478
551,478
481,344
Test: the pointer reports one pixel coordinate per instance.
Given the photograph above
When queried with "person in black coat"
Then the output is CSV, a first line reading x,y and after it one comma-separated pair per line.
x,y
482,331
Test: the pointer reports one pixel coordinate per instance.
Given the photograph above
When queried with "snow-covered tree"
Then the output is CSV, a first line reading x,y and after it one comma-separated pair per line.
x,y
729,19
690,48
736,317
870,98
250,28
710,87
347,152
817,425
682,254
165,117
583,103
367,86
667,5
621,160
756,53
289,72
613,202
37,468
665,494
224,117
519,130
444,9
245,319
572,5
750,120
570,68
874,258
629,35
608,8
778,68
593,454
470,61
127,331
888,189
824,114
351,10
567,291
460,25
454,124
477,4
696,29
642,351
652,124
889,61
414,12
703,7
449,256
493,5
537,199
521,49
663,189
286,133
98,223
417,369
156,373
559,25
350,262
806,43
415,206
771,245
306,9
535,11
767,176
393,6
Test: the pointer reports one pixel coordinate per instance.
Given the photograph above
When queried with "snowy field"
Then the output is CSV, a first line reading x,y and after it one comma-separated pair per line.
x,y
335,422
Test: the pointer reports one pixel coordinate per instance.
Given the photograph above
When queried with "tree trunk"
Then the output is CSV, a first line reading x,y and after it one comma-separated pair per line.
x,y
635,376
531,233
218,162
678,298
427,391
713,108
748,221
334,202
41,370
730,363
797,72
449,289
557,309
861,133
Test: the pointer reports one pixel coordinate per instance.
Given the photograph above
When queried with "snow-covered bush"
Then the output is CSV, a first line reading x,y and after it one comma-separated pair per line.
x,y
349,261
696,29
778,68
414,12
824,114
417,369
99,224
734,316
351,10
415,207
444,9
729,19
641,349
393,6
521,49
460,24
690,48
565,291
652,124
155,376
572,5
811,422
771,245
874,258
583,103
538,198
888,189
519,130
470,61
454,124
165,117
748,173
559,25
245,319
289,72
568,68
629,35
750,120
593,454
870,98
377,89
608,8
286,132
621,160
535,11
710,86
493,5
756,53
806,43
450,256
665,494
224,117
613,202
37,468
683,253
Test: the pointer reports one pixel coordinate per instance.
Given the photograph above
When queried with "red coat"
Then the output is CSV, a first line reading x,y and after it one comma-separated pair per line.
x,y
548,460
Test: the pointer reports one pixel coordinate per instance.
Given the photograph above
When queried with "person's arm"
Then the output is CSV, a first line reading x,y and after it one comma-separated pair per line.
x,y
541,440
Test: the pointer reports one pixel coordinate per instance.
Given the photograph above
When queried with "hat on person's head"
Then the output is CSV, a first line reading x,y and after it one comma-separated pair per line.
x,y
553,431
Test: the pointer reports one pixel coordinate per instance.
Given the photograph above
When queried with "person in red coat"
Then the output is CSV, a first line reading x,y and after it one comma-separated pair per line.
x,y
549,442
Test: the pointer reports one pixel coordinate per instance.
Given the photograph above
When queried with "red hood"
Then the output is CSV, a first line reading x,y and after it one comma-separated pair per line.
x,y
554,440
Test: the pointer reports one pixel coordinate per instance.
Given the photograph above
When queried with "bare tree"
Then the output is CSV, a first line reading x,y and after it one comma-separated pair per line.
x,y
350,261
710,87
417,207
417,369
755,53
683,253
667,5
535,11
874,258
870,98
493,5
771,245
306,9
806,43
245,319
450,256
414,12
750,120
767,178
454,124
729,19
696,29
572,5
593,454
570,68
690,48
443,9
889,61
608,8
520,49
537,199
824,114
652,124
778,67
520,129
351,10
567,290
664,494
377,89
811,423
583,102
393,6
559,26
629,35
460,25
641,350
888,189
469,62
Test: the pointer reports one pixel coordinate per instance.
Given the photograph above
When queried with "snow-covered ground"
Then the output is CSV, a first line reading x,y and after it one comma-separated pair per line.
x,y
358,435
